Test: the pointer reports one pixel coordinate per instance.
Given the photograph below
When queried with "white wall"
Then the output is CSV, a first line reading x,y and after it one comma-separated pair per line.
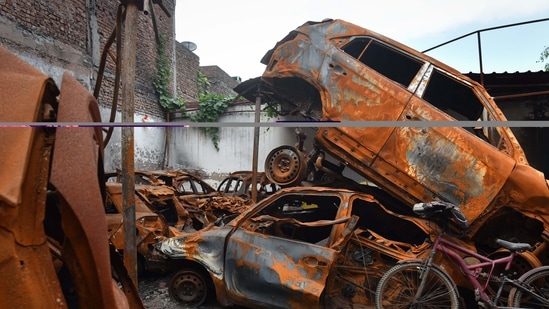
x,y
149,144
192,149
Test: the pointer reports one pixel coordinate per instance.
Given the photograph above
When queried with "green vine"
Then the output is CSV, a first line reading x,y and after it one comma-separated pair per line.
x,y
162,80
271,110
210,107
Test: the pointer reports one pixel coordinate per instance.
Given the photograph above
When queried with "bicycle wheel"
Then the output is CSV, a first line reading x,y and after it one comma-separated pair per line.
x,y
537,280
398,287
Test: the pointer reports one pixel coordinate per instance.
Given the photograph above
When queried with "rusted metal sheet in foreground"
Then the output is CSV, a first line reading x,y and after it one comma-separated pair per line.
x,y
28,280
82,215
47,233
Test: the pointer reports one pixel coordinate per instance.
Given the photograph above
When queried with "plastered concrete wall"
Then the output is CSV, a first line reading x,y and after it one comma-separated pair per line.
x,y
149,144
192,149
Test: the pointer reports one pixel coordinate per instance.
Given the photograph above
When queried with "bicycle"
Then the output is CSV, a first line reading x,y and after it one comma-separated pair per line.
x,y
424,284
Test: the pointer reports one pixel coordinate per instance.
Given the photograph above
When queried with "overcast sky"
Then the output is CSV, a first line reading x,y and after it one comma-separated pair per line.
x,y
235,35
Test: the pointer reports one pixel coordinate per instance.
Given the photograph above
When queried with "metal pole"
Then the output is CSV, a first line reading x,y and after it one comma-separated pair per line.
x,y
480,59
128,180
256,147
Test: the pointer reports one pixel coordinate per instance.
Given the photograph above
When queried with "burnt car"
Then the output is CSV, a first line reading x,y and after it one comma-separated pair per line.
x,y
183,200
302,247
240,184
150,226
183,183
417,128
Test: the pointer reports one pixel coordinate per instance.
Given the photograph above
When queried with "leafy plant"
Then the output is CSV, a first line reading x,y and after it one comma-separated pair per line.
x,y
210,107
162,80
271,110
544,56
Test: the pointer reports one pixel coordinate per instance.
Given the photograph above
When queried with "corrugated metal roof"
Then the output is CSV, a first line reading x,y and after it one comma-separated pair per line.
x,y
502,84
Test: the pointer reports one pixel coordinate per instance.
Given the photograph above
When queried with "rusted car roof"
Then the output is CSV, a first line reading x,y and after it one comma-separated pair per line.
x,y
183,183
185,201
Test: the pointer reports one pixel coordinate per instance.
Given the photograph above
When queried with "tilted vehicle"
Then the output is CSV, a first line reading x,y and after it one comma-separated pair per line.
x,y
417,128
301,247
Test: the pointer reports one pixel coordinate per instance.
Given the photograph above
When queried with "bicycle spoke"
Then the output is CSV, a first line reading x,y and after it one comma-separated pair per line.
x,y
400,289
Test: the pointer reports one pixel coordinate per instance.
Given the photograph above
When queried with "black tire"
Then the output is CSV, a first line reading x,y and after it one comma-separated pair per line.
x,y
398,286
538,280
190,288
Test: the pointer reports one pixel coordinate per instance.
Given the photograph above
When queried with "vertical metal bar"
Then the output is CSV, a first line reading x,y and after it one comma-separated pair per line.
x,y
480,59
128,180
256,147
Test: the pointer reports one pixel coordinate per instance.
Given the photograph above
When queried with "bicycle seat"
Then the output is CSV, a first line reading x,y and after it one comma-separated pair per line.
x,y
442,209
513,246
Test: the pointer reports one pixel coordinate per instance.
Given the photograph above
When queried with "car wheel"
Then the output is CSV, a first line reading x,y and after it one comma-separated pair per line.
x,y
189,288
285,166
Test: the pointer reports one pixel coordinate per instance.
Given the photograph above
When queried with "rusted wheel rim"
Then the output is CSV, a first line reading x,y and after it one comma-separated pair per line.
x,y
284,166
189,288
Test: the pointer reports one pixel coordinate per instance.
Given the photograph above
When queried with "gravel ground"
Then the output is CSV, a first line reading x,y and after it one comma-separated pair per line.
x,y
153,290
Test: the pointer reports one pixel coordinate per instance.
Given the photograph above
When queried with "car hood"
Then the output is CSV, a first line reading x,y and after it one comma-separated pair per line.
x,y
205,247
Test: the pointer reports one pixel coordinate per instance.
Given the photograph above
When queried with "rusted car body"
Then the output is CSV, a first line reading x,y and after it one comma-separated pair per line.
x,y
398,118
54,249
150,220
240,184
183,183
185,201
302,247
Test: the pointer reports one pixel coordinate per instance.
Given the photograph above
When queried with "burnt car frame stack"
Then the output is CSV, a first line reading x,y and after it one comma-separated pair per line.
x,y
414,127
410,127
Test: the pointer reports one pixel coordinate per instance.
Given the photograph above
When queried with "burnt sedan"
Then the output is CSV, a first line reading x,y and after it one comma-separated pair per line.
x,y
312,247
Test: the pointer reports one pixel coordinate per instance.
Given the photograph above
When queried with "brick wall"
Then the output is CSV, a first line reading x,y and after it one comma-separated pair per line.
x,y
220,81
58,36
70,35
187,63
146,100
63,21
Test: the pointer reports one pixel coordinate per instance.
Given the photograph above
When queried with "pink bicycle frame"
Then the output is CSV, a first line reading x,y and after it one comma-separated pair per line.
x,y
472,271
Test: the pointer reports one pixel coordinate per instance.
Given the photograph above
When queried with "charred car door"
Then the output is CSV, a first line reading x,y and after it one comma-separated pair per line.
x,y
278,256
